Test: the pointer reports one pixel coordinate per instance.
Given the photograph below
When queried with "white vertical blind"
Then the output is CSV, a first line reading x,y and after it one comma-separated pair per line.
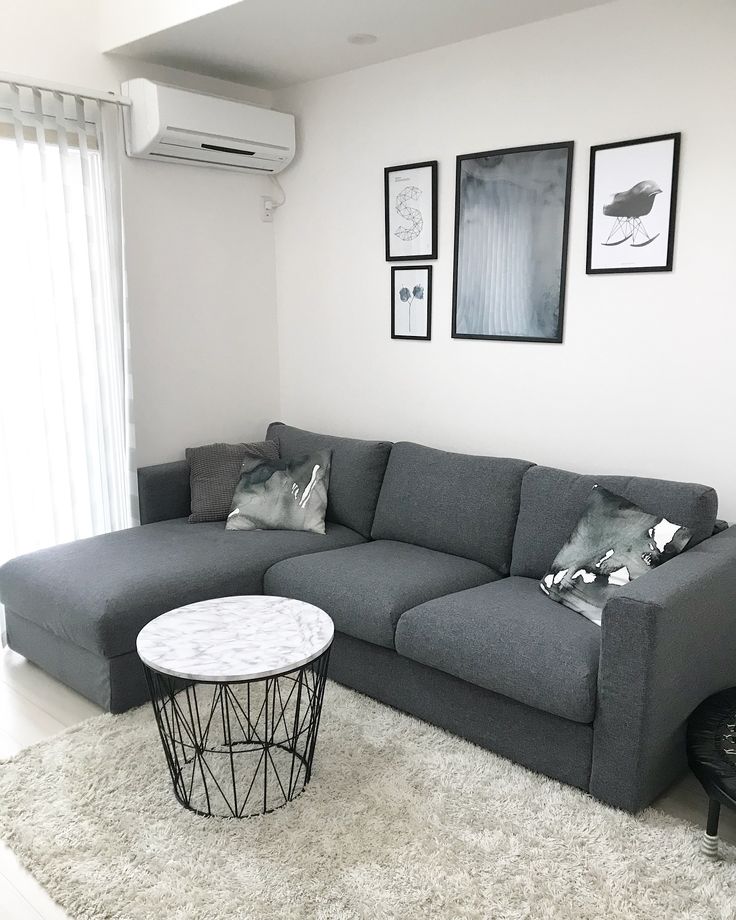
x,y
65,428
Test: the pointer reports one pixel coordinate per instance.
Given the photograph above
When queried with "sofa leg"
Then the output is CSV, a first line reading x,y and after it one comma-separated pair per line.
x,y
710,837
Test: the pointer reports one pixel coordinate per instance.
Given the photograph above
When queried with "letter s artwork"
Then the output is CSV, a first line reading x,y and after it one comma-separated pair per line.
x,y
413,215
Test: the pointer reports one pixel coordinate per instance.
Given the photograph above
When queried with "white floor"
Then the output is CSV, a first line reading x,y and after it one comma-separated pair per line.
x,y
34,706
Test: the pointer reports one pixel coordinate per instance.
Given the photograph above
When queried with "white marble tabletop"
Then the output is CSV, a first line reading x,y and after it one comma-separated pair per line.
x,y
235,638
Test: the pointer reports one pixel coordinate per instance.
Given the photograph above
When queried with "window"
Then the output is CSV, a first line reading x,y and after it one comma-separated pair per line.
x,y
64,404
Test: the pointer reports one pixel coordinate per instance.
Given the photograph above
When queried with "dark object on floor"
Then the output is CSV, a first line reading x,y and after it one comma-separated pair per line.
x,y
711,751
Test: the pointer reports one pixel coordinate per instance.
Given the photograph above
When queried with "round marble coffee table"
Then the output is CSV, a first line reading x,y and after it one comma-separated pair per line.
x,y
236,685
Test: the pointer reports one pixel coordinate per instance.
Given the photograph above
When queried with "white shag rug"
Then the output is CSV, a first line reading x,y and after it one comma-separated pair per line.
x,y
401,820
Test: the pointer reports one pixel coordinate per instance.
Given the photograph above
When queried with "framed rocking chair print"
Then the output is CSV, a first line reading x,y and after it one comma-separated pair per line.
x,y
631,205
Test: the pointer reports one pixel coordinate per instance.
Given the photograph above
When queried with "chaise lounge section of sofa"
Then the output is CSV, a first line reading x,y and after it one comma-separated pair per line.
x,y
430,570
76,609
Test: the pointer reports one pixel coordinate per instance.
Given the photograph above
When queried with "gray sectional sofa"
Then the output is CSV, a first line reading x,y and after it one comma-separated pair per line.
x,y
430,569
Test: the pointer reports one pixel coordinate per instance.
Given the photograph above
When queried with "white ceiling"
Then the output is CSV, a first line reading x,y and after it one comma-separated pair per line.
x,y
274,44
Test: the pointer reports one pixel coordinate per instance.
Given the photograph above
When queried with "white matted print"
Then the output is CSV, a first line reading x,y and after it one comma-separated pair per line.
x,y
410,202
631,208
411,302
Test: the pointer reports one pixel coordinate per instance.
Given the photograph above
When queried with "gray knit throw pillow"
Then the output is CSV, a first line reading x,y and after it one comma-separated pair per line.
x,y
214,470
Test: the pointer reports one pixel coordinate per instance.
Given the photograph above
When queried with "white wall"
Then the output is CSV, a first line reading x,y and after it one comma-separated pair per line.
x,y
200,261
644,381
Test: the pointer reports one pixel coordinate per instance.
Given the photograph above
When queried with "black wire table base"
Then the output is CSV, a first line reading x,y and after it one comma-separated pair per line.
x,y
239,749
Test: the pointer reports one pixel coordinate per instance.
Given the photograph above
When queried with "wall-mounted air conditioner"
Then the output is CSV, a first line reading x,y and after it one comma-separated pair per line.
x,y
174,125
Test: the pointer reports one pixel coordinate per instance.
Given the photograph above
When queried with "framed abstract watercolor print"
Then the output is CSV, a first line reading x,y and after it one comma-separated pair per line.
x,y
410,205
512,212
411,302
631,205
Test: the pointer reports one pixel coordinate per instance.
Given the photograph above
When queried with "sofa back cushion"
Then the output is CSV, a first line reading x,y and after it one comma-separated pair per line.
x,y
356,473
552,501
455,503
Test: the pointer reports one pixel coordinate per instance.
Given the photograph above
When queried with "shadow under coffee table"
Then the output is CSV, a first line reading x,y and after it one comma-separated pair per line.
x,y
236,686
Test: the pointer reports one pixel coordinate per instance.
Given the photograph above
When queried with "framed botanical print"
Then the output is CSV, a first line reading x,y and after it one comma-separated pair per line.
x,y
410,204
512,211
631,205
411,302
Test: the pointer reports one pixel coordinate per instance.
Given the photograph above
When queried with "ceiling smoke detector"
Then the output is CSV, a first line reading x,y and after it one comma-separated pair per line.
x,y
362,38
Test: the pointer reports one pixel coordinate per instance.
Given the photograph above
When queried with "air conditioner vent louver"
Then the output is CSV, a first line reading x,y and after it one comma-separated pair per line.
x,y
179,158
242,153
166,123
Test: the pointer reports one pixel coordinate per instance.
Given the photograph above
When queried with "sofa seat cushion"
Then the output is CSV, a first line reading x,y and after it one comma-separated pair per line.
x,y
508,637
99,593
366,588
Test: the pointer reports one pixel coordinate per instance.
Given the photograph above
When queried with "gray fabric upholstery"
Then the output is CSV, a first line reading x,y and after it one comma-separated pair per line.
x,y
552,500
536,739
214,470
99,593
668,642
355,475
116,684
366,588
454,503
163,491
508,637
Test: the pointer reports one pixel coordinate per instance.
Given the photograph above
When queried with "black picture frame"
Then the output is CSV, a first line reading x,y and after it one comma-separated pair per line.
x,y
556,335
669,221
396,271
395,255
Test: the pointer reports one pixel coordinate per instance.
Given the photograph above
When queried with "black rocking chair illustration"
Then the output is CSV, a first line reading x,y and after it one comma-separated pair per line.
x,y
628,208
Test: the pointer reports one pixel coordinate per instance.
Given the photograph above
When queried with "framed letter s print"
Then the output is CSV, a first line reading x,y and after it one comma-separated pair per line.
x,y
410,203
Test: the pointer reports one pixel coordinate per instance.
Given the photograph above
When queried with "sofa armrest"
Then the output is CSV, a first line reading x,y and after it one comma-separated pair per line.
x,y
163,491
668,642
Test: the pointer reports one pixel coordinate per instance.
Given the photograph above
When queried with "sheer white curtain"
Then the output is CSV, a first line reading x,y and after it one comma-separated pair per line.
x,y
65,429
